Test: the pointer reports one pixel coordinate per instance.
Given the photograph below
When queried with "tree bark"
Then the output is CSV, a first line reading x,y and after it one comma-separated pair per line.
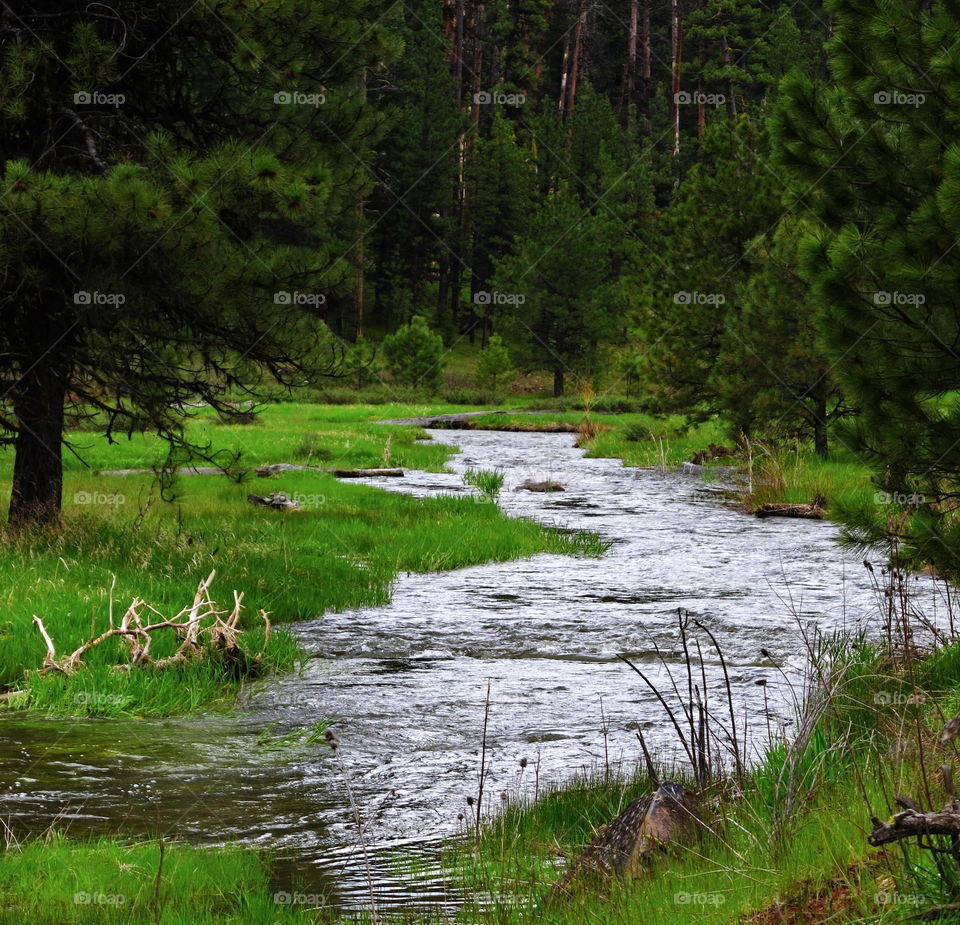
x,y
37,492
558,382
676,61
820,419
578,52
646,69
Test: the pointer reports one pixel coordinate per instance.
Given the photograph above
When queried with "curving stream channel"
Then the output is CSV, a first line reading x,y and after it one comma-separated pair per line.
x,y
407,682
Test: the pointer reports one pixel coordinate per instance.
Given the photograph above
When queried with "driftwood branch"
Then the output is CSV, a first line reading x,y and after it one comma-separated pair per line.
x,y
912,823
201,628
276,501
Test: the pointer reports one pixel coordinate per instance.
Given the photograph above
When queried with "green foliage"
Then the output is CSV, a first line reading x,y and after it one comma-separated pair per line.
x,y
876,152
494,366
360,366
414,355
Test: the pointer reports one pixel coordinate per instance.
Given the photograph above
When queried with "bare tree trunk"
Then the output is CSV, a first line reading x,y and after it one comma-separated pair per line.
x,y
558,382
676,63
358,293
564,71
629,89
578,52
646,67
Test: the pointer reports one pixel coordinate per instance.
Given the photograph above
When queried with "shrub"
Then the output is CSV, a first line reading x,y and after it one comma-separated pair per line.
x,y
494,367
414,355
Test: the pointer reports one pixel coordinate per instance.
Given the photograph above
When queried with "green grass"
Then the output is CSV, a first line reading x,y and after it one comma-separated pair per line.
x,y
54,880
344,549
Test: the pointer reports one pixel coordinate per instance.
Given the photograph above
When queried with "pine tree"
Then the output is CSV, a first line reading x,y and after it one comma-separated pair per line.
x,y
879,152
771,375
500,198
685,285
417,169
559,291
176,192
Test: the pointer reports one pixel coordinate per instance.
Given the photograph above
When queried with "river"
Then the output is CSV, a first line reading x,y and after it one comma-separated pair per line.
x,y
407,682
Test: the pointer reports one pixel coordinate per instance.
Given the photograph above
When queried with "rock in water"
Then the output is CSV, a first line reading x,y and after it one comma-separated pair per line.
x,y
546,485
640,838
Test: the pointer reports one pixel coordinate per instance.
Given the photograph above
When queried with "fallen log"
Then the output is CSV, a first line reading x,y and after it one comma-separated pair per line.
x,y
912,823
276,468
367,473
805,511
639,839
276,500
545,485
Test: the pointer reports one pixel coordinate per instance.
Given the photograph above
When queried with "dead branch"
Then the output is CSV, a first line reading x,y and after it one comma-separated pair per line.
x,y
914,824
201,628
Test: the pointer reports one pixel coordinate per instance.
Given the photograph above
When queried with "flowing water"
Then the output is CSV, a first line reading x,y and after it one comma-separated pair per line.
x,y
407,682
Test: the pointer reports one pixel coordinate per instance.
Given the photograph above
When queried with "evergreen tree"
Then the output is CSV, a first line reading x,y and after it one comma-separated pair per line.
x,y
560,291
879,152
771,374
686,285
500,198
412,227
414,355
176,186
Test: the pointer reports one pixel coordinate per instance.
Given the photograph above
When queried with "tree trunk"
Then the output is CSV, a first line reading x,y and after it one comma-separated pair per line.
x,y
358,289
676,61
630,77
820,419
579,37
564,71
558,382
646,69
38,466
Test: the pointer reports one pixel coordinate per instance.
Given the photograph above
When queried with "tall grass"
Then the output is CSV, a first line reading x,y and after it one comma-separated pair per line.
x,y
56,880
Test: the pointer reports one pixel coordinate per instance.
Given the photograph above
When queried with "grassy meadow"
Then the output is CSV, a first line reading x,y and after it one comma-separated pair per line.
x,y
121,540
